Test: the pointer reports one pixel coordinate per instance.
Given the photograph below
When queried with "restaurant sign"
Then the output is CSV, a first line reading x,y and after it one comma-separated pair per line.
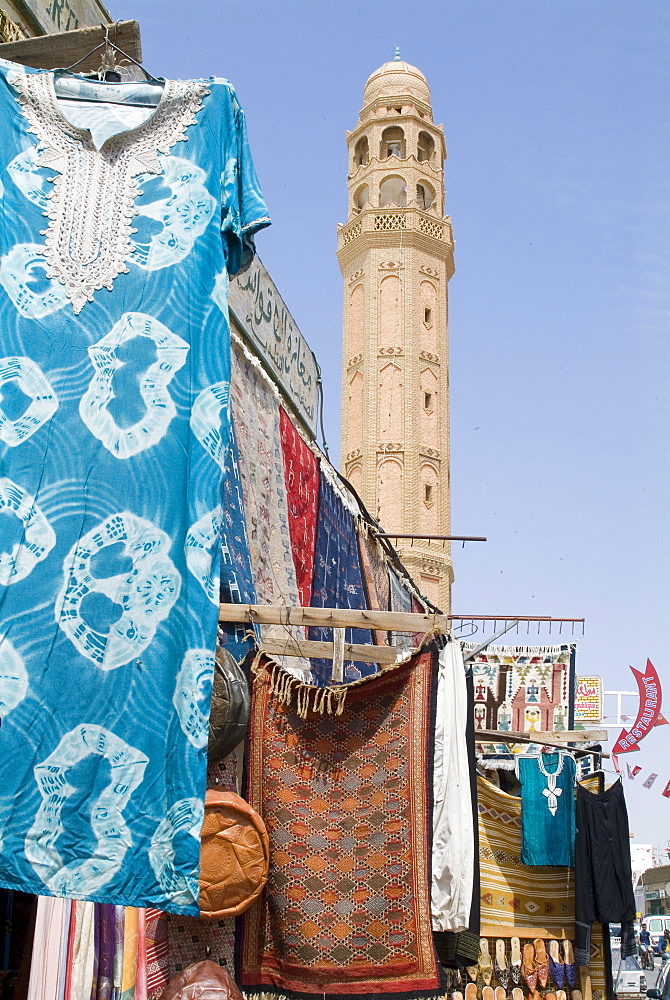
x,y
261,314
589,700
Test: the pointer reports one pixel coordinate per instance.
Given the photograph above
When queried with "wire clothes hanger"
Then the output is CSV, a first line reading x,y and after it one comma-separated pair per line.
x,y
107,45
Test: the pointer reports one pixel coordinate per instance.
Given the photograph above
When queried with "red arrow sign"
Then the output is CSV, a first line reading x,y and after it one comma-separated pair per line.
x,y
648,713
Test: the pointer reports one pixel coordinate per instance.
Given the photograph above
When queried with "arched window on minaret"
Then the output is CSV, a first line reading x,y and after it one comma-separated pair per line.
x,y
428,410
425,148
390,403
361,152
355,427
393,191
429,507
362,196
357,321
355,477
425,196
429,317
389,494
393,143
390,308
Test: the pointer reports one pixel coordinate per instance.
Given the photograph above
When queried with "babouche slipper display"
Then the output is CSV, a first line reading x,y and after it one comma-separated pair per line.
x,y
528,967
485,963
501,969
541,962
556,967
570,965
515,961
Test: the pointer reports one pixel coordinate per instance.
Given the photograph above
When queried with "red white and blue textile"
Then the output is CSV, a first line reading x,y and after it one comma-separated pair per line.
x,y
301,474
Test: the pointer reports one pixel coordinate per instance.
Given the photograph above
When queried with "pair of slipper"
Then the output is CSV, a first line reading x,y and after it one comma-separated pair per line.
x,y
566,970
535,965
488,993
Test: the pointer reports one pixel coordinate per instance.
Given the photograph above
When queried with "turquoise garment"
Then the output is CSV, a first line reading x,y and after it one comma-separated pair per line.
x,y
114,432
547,809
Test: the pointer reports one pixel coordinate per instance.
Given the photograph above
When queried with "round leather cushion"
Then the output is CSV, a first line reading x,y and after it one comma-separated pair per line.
x,y
234,855
229,714
202,981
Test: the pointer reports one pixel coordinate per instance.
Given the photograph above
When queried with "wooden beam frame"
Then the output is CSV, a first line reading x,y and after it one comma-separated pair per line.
x,y
329,651
390,621
65,47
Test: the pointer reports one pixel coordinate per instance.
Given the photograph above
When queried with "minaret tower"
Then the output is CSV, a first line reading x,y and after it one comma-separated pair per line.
x,y
396,255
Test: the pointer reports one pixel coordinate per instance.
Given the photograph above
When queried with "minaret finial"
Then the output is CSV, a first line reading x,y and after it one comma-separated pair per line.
x,y
396,57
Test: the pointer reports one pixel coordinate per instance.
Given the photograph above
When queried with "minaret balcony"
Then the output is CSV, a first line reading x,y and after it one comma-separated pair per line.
x,y
372,227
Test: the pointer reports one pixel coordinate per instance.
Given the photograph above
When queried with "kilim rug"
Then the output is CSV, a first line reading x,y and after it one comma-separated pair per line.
x,y
515,898
375,577
346,798
301,473
255,409
338,581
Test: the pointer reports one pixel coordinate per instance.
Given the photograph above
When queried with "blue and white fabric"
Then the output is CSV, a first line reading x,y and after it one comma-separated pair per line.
x,y
114,432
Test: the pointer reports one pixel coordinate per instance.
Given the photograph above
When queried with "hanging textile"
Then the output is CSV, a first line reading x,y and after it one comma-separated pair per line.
x,y
547,808
453,835
157,954
256,417
338,581
237,585
47,968
129,967
603,877
517,900
113,427
375,577
346,798
301,473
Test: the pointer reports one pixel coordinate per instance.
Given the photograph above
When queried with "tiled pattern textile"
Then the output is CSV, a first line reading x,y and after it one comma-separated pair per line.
x,y
375,577
301,473
516,899
346,800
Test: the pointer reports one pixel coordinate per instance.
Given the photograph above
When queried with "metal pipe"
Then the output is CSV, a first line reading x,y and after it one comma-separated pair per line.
x,y
431,538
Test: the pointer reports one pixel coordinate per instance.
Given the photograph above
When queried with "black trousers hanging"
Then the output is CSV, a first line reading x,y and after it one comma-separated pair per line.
x,y
603,879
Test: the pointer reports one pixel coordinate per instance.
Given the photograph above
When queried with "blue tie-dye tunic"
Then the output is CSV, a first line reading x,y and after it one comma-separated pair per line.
x,y
117,221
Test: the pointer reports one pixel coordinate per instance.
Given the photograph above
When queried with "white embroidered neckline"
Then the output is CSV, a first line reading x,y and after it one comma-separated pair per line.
x,y
89,236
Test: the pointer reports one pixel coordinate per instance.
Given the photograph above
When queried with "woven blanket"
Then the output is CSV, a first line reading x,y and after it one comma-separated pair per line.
x,y
346,798
338,581
256,415
375,577
236,585
301,473
516,899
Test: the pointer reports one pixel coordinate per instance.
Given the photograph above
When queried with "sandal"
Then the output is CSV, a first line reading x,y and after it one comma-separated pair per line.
x,y
561,995
515,961
485,965
472,971
457,995
471,992
570,966
487,993
541,962
576,995
500,993
556,967
517,993
550,996
528,969
501,970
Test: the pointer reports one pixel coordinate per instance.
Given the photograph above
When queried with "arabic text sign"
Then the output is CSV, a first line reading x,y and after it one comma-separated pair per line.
x,y
589,699
260,311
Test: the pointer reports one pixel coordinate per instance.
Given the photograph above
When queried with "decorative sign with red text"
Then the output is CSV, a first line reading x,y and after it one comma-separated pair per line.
x,y
648,714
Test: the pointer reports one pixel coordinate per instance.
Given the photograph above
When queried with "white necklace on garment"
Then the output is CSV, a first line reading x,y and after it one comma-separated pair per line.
x,y
551,792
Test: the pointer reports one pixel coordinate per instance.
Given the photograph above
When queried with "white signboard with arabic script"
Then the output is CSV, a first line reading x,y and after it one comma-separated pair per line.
x,y
262,315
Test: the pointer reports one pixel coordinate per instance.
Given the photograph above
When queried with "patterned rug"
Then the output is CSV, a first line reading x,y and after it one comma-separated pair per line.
x,y
516,898
301,473
338,581
256,415
375,577
346,797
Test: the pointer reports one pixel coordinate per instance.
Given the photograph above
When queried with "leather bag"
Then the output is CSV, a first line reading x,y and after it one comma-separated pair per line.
x,y
234,855
231,701
202,981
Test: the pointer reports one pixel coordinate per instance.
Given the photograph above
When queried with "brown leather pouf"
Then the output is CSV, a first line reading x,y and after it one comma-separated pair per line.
x,y
234,855
202,981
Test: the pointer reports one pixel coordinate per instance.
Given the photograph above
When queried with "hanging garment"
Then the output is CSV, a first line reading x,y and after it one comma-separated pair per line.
x,y
338,581
401,600
453,835
517,900
113,430
344,786
47,968
255,410
156,953
603,878
547,808
301,473
129,971
83,952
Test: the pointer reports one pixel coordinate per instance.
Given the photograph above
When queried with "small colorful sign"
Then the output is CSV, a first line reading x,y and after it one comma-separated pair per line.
x,y
648,713
589,700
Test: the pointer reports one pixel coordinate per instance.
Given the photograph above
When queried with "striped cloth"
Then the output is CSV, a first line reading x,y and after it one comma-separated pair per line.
x,y
517,900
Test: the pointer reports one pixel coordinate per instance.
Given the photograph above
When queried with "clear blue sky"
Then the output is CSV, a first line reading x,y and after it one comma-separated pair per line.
x,y
556,115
